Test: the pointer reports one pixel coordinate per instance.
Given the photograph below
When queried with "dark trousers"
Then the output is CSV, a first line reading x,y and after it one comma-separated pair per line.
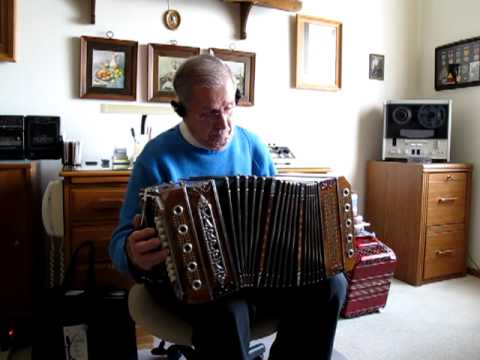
x,y
307,321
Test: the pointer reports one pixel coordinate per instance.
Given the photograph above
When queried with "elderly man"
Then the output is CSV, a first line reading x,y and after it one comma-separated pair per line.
x,y
207,143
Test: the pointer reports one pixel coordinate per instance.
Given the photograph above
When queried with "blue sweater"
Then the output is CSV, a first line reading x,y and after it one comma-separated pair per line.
x,y
169,157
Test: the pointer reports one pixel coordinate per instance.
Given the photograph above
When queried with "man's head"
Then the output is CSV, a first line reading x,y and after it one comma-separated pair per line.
x,y
205,88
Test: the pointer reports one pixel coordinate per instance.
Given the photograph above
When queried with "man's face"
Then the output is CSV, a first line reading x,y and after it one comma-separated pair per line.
x,y
209,115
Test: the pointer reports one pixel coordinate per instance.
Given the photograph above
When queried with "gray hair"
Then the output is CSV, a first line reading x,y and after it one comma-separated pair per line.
x,y
203,70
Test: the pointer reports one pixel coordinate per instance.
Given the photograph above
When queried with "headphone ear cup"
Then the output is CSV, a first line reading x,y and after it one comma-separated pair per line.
x,y
238,96
179,108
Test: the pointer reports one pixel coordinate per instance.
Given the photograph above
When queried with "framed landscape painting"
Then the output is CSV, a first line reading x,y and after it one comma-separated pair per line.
x,y
163,62
242,65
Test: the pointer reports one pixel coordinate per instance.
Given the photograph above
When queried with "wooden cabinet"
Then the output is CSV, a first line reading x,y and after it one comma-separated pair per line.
x,y
422,212
16,245
92,202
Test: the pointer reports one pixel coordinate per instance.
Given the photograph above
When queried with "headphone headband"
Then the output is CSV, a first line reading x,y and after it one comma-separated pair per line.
x,y
181,110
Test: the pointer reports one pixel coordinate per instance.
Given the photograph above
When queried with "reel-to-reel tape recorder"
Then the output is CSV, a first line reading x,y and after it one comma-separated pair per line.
x,y
417,130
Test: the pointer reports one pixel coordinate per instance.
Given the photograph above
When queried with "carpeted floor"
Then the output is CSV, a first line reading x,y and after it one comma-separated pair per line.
x,y
437,321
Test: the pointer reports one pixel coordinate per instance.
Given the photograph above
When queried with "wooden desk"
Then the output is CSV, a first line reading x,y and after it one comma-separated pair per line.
x,y
92,201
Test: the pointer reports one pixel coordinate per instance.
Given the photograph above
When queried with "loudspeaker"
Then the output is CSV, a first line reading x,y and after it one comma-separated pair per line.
x,y
42,137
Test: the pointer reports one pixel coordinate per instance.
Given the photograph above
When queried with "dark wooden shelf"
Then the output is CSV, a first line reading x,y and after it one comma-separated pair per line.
x,y
246,6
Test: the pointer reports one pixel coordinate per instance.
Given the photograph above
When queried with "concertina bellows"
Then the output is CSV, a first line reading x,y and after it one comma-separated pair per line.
x,y
235,232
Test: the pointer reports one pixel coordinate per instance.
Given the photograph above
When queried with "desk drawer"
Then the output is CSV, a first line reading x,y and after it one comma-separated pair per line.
x,y
445,251
93,204
99,234
446,198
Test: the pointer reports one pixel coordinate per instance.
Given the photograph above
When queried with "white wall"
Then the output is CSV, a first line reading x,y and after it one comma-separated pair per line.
x,y
340,129
442,22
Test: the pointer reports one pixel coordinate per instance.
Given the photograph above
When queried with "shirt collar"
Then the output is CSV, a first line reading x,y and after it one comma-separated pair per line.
x,y
187,135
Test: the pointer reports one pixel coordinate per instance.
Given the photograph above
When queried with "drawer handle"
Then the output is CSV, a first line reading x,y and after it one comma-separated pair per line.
x,y
108,204
449,178
443,200
444,252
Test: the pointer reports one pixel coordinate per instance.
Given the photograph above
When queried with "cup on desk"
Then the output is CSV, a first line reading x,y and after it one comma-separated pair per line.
x,y
72,153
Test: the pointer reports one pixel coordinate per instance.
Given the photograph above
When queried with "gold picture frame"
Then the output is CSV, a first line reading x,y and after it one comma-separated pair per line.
x,y
318,54
8,9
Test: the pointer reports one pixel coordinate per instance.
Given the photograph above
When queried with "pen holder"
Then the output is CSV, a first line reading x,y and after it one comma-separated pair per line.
x,y
72,153
138,145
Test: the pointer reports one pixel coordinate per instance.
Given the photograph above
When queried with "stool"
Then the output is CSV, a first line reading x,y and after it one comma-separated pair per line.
x,y
168,326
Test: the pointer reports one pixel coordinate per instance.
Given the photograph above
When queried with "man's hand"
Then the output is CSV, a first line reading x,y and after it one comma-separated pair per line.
x,y
144,247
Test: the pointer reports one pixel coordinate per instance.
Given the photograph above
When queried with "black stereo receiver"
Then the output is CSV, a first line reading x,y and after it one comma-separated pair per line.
x,y
11,137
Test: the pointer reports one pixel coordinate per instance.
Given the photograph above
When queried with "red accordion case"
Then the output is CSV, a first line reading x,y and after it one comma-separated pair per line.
x,y
369,281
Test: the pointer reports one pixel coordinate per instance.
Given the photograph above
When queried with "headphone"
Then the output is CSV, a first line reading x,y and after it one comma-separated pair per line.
x,y
181,110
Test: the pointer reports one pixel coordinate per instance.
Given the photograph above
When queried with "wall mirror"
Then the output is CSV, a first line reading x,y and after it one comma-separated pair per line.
x,y
319,53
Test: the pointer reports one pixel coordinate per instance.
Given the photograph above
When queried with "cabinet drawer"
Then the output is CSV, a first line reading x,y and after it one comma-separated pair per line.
x,y
93,204
446,198
100,235
445,251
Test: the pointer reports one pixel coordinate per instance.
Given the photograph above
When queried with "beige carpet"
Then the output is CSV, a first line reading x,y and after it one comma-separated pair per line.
x,y
437,321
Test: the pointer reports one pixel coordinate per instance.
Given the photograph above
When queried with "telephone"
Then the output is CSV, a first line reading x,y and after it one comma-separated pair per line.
x,y
52,208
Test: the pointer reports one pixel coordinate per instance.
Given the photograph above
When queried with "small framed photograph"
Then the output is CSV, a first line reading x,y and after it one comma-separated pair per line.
x,y
376,67
318,54
457,64
163,62
242,65
108,68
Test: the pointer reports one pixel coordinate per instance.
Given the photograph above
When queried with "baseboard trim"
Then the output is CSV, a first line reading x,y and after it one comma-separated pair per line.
x,y
473,272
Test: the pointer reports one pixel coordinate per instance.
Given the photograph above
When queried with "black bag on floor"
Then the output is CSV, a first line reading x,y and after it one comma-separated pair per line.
x,y
80,324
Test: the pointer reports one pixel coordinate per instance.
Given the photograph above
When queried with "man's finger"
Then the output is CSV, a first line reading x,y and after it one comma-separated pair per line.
x,y
146,246
142,235
137,221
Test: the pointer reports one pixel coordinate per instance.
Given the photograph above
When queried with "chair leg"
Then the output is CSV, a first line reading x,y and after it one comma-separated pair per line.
x,y
175,352
159,350
256,352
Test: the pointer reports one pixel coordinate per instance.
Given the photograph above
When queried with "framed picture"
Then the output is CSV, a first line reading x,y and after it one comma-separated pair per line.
x,y
318,54
457,64
163,62
242,65
376,68
8,29
108,68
